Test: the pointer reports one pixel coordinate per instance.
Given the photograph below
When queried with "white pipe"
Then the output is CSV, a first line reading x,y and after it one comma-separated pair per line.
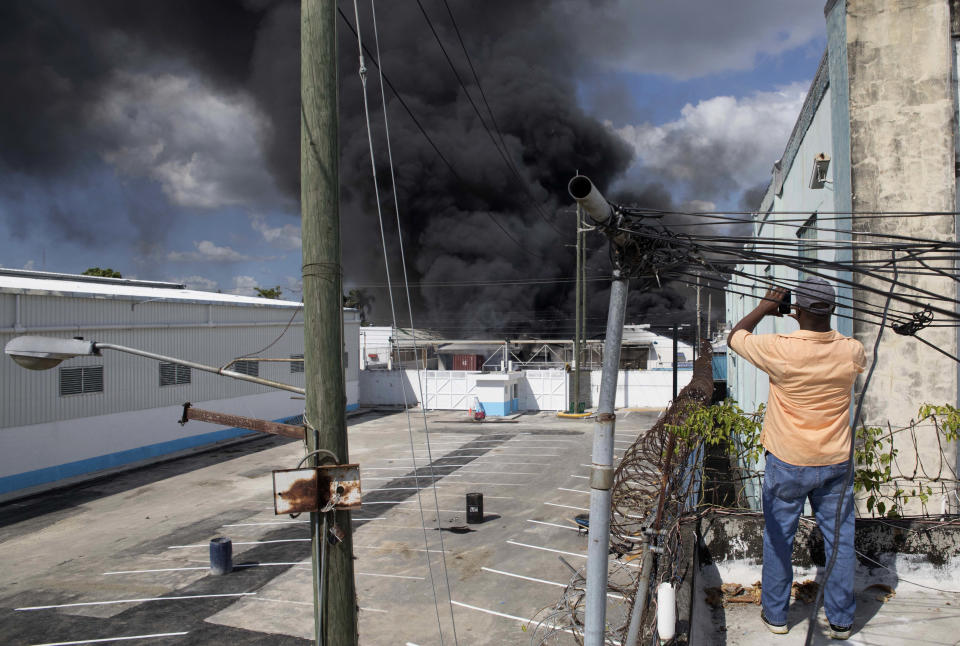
x,y
666,611
590,199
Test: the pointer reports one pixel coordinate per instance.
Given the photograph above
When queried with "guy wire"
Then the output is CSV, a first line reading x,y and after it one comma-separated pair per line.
x,y
395,327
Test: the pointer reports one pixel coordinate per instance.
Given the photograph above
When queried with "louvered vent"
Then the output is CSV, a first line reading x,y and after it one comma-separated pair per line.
x,y
76,381
172,374
250,368
296,366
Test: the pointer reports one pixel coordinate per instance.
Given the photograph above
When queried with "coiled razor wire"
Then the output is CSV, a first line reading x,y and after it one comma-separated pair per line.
x,y
654,485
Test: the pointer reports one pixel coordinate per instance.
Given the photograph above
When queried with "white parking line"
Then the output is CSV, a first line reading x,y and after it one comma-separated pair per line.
x,y
411,549
573,490
278,540
612,595
548,549
540,522
113,639
581,477
527,622
272,522
182,569
391,576
116,601
553,504
502,473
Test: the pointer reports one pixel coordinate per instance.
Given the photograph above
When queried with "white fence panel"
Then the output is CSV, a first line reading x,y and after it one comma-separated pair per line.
x,y
386,387
543,390
643,388
449,389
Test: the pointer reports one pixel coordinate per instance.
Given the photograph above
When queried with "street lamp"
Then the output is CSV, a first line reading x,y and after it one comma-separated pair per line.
x,y
43,353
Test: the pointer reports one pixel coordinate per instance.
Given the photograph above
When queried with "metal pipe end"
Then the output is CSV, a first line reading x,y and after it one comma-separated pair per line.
x,y
579,187
590,199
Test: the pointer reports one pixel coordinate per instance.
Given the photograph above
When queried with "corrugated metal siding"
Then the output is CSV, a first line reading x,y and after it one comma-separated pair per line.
x,y
132,383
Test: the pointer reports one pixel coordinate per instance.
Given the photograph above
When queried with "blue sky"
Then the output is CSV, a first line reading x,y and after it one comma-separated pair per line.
x,y
169,180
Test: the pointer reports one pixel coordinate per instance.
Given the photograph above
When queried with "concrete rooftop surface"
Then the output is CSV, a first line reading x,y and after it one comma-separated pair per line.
x,y
127,555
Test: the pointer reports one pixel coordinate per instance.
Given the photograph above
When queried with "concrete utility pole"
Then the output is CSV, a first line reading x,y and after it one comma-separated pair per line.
x,y
335,603
575,404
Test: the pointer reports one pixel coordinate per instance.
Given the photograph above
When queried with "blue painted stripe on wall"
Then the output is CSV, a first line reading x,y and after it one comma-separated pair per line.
x,y
111,460
495,408
351,407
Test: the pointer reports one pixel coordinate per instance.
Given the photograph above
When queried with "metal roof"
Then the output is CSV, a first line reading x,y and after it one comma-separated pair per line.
x,y
15,281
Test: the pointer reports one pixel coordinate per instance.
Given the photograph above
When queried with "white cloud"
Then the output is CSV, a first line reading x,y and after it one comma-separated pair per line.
x,y
243,285
205,149
29,265
686,39
208,252
197,282
720,144
284,237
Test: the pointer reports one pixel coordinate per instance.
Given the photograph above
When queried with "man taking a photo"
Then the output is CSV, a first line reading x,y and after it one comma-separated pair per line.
x,y
806,434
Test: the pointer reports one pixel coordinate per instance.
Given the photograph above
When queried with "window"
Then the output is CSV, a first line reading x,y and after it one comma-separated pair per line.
x,y
808,243
172,374
77,381
249,368
296,366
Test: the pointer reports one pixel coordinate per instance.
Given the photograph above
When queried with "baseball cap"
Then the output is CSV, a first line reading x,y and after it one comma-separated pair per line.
x,y
816,295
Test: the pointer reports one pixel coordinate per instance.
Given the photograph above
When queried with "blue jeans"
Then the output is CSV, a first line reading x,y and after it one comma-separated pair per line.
x,y
785,488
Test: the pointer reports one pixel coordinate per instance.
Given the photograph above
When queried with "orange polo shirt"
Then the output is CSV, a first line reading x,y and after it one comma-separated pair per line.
x,y
807,421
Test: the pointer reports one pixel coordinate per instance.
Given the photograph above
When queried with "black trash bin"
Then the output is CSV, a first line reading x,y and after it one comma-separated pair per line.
x,y
221,555
474,508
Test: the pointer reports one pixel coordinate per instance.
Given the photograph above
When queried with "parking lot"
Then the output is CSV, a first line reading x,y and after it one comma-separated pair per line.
x,y
126,558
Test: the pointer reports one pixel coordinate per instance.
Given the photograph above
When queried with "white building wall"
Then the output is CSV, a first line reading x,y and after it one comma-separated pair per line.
x,y
781,218
538,389
46,437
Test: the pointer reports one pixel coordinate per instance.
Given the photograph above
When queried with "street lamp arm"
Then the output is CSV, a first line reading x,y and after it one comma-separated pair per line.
x,y
199,366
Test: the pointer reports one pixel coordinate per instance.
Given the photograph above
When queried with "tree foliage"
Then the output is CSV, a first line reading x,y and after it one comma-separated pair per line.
x,y
106,273
269,292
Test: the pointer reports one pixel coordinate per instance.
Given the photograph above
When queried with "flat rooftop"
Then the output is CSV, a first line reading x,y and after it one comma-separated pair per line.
x,y
127,556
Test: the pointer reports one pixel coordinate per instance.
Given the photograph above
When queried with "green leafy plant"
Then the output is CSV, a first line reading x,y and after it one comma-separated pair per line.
x,y
724,424
875,456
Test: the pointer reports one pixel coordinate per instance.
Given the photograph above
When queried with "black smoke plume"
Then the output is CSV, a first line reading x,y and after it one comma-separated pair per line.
x,y
60,55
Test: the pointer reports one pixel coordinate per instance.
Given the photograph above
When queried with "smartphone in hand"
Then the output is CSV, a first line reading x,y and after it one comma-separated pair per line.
x,y
784,306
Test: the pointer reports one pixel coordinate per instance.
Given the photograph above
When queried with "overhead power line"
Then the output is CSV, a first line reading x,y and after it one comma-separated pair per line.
x,y
430,140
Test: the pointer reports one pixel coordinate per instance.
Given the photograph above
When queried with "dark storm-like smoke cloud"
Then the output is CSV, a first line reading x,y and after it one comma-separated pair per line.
x,y
64,56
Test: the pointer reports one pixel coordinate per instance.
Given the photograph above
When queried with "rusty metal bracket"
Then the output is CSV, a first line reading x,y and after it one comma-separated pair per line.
x,y
298,491
606,417
238,421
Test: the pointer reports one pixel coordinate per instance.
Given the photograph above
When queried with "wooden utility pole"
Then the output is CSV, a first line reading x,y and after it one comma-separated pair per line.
x,y
335,604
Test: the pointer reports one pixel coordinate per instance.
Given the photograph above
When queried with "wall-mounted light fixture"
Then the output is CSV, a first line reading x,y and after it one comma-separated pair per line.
x,y
819,175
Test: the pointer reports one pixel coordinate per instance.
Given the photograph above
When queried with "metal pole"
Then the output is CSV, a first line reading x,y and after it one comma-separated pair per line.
x,y
583,286
199,366
697,342
601,473
640,598
674,363
574,407
336,618
709,311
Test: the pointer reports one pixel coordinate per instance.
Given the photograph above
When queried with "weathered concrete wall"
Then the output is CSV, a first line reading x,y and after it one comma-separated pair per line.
x,y
899,58
930,551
